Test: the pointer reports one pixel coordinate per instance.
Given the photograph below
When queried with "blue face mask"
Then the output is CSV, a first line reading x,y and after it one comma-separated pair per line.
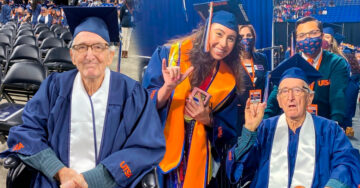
x,y
247,43
309,45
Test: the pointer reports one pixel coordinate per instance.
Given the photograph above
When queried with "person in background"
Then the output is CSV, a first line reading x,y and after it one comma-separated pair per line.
x,y
352,92
254,66
36,9
57,17
63,18
27,17
295,149
329,42
20,15
44,16
127,24
329,99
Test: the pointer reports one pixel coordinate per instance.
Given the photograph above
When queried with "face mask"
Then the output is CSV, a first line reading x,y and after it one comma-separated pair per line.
x,y
325,45
309,45
247,43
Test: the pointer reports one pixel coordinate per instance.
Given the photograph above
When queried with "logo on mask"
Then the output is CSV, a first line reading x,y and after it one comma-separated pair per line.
x,y
247,43
309,45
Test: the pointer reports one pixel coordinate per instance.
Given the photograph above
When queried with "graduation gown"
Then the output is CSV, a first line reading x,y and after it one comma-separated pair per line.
x,y
329,90
225,119
132,131
335,156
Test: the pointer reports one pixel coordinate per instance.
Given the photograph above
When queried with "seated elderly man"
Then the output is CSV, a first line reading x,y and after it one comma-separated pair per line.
x,y
90,126
295,148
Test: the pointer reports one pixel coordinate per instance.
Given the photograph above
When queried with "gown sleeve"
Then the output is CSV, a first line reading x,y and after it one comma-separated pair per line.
x,y
344,160
242,160
153,79
144,146
31,137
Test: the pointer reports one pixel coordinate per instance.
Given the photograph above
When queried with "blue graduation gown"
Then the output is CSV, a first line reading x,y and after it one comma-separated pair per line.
x,y
132,130
5,14
335,156
225,120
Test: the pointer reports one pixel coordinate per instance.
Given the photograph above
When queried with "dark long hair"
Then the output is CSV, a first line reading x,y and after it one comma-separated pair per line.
x,y
203,62
355,68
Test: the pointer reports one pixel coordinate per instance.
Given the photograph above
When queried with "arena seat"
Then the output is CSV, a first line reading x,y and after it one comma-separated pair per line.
x,y
24,40
25,31
49,43
58,60
40,29
55,26
8,32
60,30
22,81
45,34
67,37
40,25
21,53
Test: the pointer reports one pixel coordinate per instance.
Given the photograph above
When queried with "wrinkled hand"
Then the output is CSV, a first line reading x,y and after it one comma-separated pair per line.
x,y
172,75
199,112
254,113
69,178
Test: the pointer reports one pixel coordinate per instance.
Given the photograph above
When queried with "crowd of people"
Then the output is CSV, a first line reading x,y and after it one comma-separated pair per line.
x,y
290,10
49,13
207,114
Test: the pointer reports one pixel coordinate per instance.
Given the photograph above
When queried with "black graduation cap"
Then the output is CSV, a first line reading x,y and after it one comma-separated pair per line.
x,y
295,67
99,20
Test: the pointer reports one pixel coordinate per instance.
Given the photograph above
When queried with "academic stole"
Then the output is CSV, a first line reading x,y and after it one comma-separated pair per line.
x,y
305,158
197,170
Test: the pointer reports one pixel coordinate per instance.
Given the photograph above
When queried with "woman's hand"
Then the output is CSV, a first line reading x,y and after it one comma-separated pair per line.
x,y
172,77
254,113
199,112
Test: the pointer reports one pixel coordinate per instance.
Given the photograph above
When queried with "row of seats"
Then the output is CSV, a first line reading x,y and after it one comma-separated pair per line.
x,y
28,54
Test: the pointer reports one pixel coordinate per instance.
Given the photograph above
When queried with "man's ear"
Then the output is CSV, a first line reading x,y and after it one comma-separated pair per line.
x,y
310,98
279,101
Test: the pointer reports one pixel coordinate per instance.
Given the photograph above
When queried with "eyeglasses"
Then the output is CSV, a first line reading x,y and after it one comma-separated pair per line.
x,y
97,47
313,33
297,91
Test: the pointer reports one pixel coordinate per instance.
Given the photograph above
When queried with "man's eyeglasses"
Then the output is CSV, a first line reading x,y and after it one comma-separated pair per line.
x,y
311,34
97,48
297,91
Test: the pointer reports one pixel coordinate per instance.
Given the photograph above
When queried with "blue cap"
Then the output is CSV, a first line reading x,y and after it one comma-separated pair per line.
x,y
329,30
226,13
99,20
339,38
295,67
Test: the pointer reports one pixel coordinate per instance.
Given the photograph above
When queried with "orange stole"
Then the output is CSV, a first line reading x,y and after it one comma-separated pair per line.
x,y
198,161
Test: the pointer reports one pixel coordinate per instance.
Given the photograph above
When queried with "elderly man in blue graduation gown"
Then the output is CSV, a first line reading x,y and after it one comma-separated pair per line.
x,y
295,148
91,126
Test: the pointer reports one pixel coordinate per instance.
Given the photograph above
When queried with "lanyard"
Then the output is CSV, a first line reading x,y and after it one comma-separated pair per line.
x,y
252,78
317,68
